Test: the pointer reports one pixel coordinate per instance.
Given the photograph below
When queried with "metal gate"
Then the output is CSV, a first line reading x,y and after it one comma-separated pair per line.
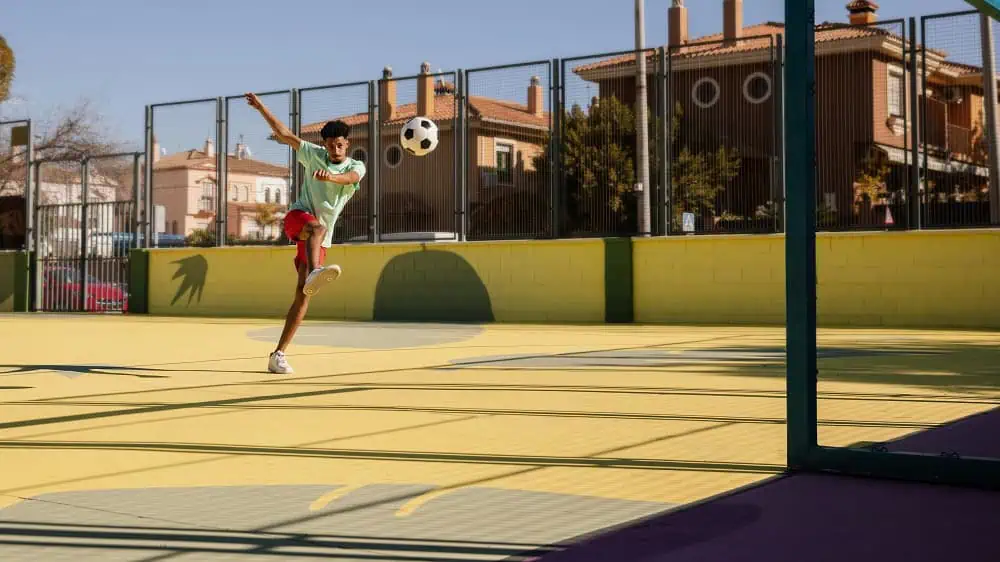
x,y
86,225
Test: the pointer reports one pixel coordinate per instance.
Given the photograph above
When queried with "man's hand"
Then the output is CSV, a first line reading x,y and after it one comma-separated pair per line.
x,y
349,178
282,133
323,175
254,101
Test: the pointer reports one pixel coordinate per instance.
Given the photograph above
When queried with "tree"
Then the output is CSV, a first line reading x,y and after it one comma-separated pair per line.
x,y
7,65
599,163
266,215
205,238
598,151
698,177
67,136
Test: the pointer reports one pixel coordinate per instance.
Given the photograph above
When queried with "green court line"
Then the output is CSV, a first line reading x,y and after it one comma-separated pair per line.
x,y
618,299
22,285
138,298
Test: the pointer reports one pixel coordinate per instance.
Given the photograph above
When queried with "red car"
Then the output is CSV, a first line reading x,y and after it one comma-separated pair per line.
x,y
61,292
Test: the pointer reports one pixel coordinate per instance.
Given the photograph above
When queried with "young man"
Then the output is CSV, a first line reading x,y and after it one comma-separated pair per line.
x,y
330,181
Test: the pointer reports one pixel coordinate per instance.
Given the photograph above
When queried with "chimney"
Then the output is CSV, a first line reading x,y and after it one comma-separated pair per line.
x,y
862,12
732,20
536,98
156,150
209,148
677,31
387,95
425,91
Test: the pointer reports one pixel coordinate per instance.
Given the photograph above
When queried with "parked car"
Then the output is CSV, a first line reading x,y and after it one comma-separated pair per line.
x,y
61,292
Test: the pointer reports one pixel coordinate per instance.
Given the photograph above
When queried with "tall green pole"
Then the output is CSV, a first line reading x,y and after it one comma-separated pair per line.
x,y
800,239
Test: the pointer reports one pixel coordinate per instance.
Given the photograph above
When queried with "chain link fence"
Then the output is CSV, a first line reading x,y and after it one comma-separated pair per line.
x,y
15,165
955,160
257,174
722,133
547,149
184,187
598,165
351,104
509,132
418,199
864,124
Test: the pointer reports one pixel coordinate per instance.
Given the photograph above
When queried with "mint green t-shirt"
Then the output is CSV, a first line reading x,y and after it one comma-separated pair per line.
x,y
324,200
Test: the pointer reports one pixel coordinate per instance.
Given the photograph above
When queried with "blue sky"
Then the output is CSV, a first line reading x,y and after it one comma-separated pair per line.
x,y
124,54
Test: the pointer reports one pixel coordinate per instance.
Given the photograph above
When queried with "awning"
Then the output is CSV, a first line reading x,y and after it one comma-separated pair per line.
x,y
901,156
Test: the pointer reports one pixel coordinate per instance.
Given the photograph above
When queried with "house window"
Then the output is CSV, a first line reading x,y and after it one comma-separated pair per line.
x,y
207,202
757,88
234,193
246,193
360,154
173,228
277,196
267,195
393,155
705,92
505,163
894,92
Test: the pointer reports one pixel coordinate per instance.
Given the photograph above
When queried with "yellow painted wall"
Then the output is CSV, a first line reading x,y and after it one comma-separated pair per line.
x,y
937,279
531,281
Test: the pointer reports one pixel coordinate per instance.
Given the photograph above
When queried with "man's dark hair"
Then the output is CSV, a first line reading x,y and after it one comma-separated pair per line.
x,y
335,129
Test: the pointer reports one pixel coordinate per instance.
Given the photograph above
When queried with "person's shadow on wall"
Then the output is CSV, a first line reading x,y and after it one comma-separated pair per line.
x,y
431,286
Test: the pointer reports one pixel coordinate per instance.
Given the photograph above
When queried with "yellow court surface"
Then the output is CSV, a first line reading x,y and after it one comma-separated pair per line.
x,y
126,438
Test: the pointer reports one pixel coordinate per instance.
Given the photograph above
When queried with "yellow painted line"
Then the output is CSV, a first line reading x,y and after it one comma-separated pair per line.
x,y
416,503
332,496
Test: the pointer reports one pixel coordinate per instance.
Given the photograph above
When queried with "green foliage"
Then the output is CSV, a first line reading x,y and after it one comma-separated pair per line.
x,y
266,214
598,152
7,65
698,178
870,184
205,238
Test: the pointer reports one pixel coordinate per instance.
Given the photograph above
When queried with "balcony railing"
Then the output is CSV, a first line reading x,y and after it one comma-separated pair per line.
x,y
959,140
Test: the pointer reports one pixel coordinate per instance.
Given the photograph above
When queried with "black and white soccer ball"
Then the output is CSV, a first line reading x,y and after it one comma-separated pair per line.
x,y
419,136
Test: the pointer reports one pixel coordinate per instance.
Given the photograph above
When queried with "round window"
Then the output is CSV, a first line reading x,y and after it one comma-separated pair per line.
x,y
393,155
360,154
757,87
705,92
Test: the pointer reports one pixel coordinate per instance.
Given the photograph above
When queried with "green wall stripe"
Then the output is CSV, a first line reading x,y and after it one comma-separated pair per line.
x,y
21,284
618,307
138,282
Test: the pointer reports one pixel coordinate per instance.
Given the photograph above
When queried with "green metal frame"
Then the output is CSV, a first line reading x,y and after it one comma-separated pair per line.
x,y
804,452
988,7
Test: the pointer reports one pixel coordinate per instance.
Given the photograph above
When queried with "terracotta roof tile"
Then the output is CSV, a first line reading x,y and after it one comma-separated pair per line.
x,y
962,69
444,110
758,37
198,160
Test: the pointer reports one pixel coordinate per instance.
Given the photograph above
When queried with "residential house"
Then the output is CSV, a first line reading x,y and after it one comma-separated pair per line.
x,y
184,186
725,86
418,194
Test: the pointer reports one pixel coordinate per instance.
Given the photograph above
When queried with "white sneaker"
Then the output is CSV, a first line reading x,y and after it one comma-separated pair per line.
x,y
320,277
277,363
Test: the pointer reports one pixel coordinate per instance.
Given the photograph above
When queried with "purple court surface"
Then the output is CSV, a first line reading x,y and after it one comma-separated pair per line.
x,y
819,518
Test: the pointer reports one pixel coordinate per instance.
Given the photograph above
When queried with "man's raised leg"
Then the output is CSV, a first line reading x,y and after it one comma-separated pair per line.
x,y
318,275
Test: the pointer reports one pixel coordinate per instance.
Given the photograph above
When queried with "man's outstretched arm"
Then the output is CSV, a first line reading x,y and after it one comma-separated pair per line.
x,y
348,178
282,133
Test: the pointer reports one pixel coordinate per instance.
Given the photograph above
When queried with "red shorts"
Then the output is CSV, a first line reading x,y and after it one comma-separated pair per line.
x,y
295,221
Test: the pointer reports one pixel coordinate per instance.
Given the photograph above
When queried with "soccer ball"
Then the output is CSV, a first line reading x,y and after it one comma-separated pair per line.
x,y
419,136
